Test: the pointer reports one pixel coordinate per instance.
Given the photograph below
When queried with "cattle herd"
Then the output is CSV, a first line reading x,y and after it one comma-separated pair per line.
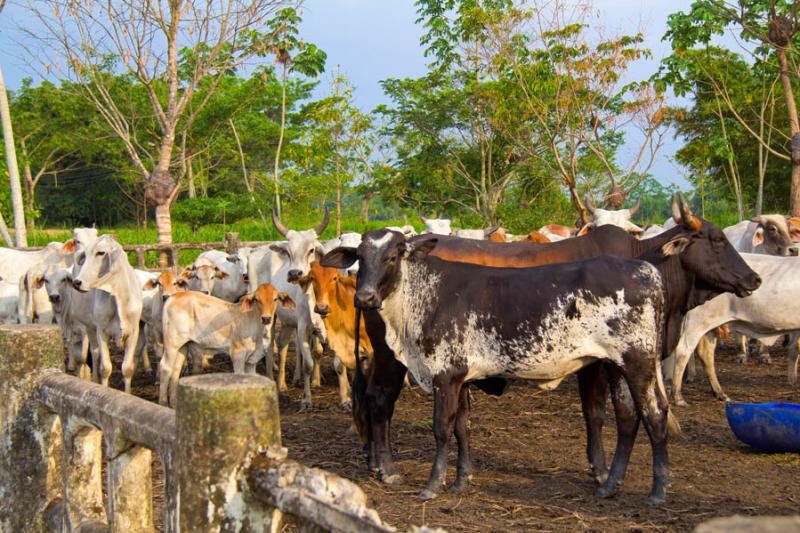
x,y
451,308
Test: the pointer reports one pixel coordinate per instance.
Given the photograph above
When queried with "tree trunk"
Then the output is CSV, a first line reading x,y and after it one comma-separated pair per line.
x,y
190,177
13,169
4,232
794,125
276,174
164,228
368,196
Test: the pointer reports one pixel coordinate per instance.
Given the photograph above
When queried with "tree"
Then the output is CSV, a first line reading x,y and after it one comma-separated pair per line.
x,y
771,26
169,48
293,55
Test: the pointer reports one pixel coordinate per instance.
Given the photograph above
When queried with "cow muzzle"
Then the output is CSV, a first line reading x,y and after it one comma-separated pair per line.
x,y
322,310
54,298
266,320
294,275
78,285
367,299
747,288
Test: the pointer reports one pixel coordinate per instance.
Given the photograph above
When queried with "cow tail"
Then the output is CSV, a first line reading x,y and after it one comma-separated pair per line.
x,y
673,426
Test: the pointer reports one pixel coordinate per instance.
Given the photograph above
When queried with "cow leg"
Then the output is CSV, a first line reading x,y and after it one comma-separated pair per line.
x,y
316,380
705,352
141,349
464,468
741,357
238,359
446,394
691,368
792,356
344,385
705,343
104,358
761,349
129,358
80,351
304,353
593,389
627,420
283,351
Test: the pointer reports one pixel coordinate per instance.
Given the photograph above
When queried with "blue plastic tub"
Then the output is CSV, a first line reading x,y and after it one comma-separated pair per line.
x,y
772,427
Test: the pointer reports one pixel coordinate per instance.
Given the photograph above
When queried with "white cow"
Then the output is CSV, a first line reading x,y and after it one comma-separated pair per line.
x,y
195,320
116,305
620,218
283,265
407,230
15,263
214,273
34,305
766,234
773,309
476,234
439,226
9,296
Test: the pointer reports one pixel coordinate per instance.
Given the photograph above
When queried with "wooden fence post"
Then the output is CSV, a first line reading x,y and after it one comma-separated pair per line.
x,y
223,422
232,242
30,437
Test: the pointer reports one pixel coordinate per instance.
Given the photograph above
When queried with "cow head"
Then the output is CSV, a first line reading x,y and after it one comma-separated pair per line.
x,y
437,226
103,260
203,277
703,250
56,280
774,234
381,254
326,282
266,298
620,218
300,247
167,284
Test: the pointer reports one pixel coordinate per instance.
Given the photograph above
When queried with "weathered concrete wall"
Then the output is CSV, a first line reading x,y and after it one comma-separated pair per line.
x,y
30,475
224,421
751,524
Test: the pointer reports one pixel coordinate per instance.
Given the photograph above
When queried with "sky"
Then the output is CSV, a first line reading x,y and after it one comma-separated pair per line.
x,y
371,40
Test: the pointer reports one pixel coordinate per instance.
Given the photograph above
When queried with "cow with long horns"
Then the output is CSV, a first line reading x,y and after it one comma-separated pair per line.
x,y
283,265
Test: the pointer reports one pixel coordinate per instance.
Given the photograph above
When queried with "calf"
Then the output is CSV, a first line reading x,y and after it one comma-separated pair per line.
x,y
334,295
605,309
765,234
34,306
195,320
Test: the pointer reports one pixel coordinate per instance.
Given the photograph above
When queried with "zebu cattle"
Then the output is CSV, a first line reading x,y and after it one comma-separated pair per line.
x,y
283,265
163,286
9,296
116,304
766,234
767,312
557,232
605,309
476,234
15,263
334,295
620,217
438,226
196,320
375,395
215,274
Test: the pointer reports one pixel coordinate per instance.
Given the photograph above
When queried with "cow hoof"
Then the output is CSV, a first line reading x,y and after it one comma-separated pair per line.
x,y
606,490
346,407
305,405
459,486
741,360
766,360
599,478
656,499
680,402
723,398
428,494
391,479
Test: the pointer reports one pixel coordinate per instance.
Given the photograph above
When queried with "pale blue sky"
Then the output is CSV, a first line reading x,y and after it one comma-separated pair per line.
x,y
371,40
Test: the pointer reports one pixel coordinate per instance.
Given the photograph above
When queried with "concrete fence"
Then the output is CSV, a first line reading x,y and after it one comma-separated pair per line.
x,y
61,438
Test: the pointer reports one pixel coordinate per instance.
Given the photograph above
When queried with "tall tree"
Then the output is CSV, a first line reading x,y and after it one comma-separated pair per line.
x,y
771,27
169,47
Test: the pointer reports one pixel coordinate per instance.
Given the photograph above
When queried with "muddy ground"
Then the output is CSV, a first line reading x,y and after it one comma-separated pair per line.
x,y
528,449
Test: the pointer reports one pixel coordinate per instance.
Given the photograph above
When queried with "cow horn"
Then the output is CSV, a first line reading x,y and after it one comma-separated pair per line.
x,y
587,200
283,230
689,220
676,212
489,231
636,207
324,224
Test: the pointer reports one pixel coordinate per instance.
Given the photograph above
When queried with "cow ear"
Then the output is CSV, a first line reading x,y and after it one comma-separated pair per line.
x,y
422,247
187,273
246,302
585,229
277,247
150,284
38,283
285,300
183,283
220,274
68,247
758,236
675,246
340,257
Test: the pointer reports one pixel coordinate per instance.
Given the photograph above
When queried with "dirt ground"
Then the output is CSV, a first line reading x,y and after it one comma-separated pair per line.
x,y
532,473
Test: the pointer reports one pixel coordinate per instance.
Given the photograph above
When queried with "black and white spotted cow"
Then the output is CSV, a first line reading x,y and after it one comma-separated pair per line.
x,y
452,323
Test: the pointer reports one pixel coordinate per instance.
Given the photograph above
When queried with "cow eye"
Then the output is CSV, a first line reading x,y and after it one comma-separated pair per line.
x,y
773,229
100,253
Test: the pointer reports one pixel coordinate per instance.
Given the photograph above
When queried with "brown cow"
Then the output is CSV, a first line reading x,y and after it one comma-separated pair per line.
x,y
334,293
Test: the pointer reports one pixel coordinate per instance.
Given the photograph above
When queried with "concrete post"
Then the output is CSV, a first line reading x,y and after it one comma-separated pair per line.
x,y
83,479
232,242
224,421
30,439
130,487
